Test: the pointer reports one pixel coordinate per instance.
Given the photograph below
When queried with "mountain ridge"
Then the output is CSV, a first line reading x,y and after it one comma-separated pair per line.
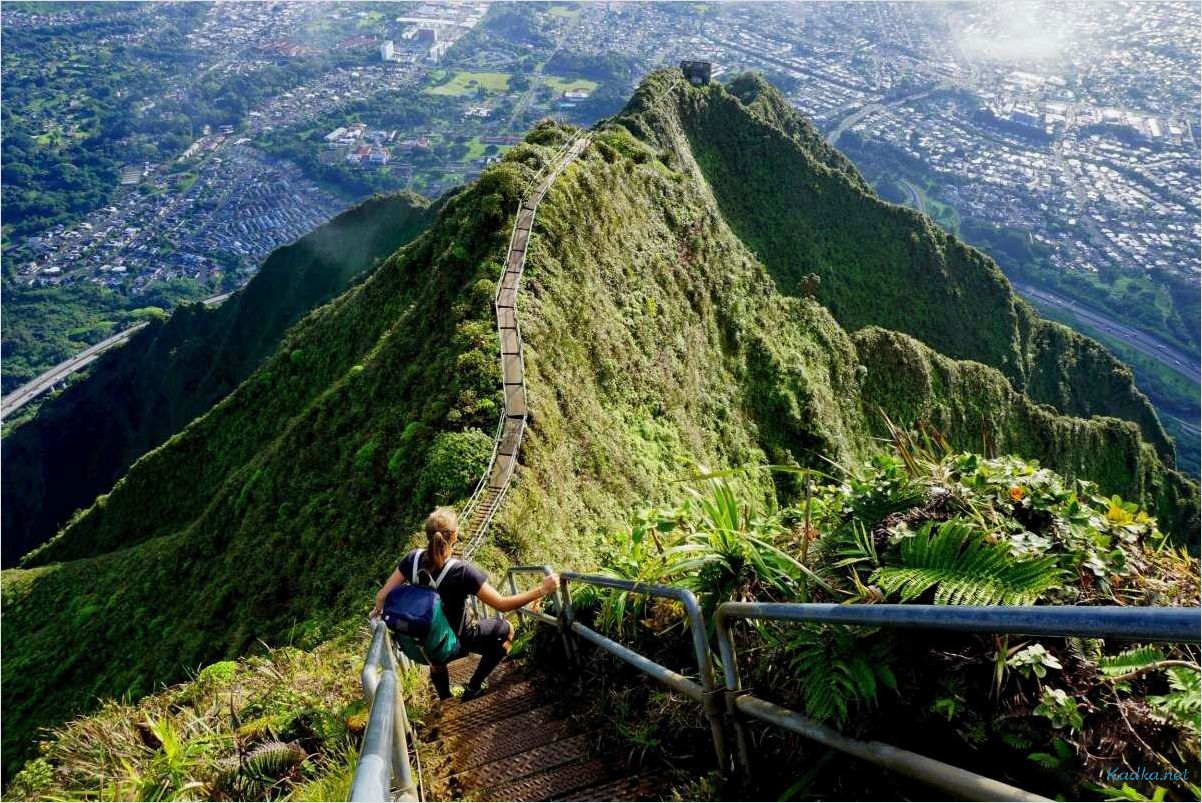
x,y
655,342
136,397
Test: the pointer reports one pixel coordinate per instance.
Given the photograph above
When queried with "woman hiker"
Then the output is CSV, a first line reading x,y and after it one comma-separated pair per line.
x,y
488,638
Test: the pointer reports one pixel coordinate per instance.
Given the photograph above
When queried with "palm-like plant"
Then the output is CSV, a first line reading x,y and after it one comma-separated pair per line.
x,y
731,551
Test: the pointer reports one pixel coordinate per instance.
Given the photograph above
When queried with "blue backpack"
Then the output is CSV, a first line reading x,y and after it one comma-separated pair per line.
x,y
413,612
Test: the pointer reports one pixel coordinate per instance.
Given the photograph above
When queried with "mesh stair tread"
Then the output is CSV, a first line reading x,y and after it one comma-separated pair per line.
x,y
472,729
516,735
461,672
547,756
631,787
553,783
513,698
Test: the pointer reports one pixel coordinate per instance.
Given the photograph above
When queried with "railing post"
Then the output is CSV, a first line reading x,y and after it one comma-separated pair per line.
x,y
730,673
563,618
705,666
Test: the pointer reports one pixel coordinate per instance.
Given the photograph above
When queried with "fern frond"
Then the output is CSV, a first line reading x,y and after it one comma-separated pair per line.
x,y
839,668
965,569
1130,660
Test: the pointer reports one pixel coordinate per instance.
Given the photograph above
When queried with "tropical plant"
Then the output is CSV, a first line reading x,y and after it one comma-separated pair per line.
x,y
837,668
1061,708
964,569
730,550
1183,705
1034,660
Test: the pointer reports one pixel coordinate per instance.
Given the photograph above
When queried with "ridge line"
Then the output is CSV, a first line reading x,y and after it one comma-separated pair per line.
x,y
477,515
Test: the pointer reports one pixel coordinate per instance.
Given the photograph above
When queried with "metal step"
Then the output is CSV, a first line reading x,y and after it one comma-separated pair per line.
x,y
461,672
521,733
548,756
494,704
555,783
634,787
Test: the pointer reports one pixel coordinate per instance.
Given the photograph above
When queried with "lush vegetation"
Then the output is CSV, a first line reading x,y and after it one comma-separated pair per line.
x,y
140,395
43,326
803,209
654,339
1163,304
273,515
980,411
920,523
283,725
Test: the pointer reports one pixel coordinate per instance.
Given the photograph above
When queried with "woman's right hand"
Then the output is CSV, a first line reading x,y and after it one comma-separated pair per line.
x,y
549,584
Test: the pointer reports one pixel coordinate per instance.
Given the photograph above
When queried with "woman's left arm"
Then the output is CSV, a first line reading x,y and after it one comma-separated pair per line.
x,y
395,580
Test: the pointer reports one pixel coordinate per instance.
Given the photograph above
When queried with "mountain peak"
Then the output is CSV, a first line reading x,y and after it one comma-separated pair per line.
x,y
707,284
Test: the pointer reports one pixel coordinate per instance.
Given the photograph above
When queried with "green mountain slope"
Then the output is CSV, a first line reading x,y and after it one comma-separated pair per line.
x,y
82,441
654,339
802,209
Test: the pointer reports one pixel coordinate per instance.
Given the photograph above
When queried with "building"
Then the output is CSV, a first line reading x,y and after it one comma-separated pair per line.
x,y
387,50
697,72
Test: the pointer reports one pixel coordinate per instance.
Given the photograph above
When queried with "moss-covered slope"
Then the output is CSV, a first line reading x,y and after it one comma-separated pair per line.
x,y
979,411
801,207
271,516
137,396
654,338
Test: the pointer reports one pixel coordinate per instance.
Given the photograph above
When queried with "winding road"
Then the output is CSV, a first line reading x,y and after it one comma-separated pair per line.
x,y
36,387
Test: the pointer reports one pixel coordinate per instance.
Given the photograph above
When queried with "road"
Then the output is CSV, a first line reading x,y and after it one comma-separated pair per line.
x,y
36,387
915,198
1172,358
855,117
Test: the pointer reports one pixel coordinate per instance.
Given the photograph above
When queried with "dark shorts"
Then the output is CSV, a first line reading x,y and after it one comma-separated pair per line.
x,y
483,636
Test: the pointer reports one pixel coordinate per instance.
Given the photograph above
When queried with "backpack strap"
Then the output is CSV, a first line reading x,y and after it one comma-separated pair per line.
x,y
446,567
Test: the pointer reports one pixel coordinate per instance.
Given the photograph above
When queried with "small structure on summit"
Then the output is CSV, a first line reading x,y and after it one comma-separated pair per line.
x,y
696,72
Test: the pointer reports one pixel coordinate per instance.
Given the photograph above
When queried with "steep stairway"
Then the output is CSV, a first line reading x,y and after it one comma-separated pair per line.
x,y
517,742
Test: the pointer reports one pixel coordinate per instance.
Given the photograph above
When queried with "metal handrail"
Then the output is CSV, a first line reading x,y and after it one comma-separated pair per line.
x,y
1142,624
384,758
1138,624
704,692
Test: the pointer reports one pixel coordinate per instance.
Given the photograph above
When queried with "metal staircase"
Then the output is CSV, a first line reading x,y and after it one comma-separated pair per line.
x,y
477,514
518,742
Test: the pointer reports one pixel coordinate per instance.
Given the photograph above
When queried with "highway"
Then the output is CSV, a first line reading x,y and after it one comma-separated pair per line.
x,y
1169,356
915,198
36,387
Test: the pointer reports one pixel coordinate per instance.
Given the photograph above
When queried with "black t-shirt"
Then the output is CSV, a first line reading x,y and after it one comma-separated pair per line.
x,y
462,580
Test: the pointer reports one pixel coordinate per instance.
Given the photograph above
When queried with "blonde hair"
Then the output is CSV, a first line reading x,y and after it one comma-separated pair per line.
x,y
441,527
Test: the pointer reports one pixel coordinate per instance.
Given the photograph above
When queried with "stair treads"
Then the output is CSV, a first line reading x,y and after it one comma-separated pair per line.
x,y
553,754
515,735
461,672
474,728
494,704
553,783
634,787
